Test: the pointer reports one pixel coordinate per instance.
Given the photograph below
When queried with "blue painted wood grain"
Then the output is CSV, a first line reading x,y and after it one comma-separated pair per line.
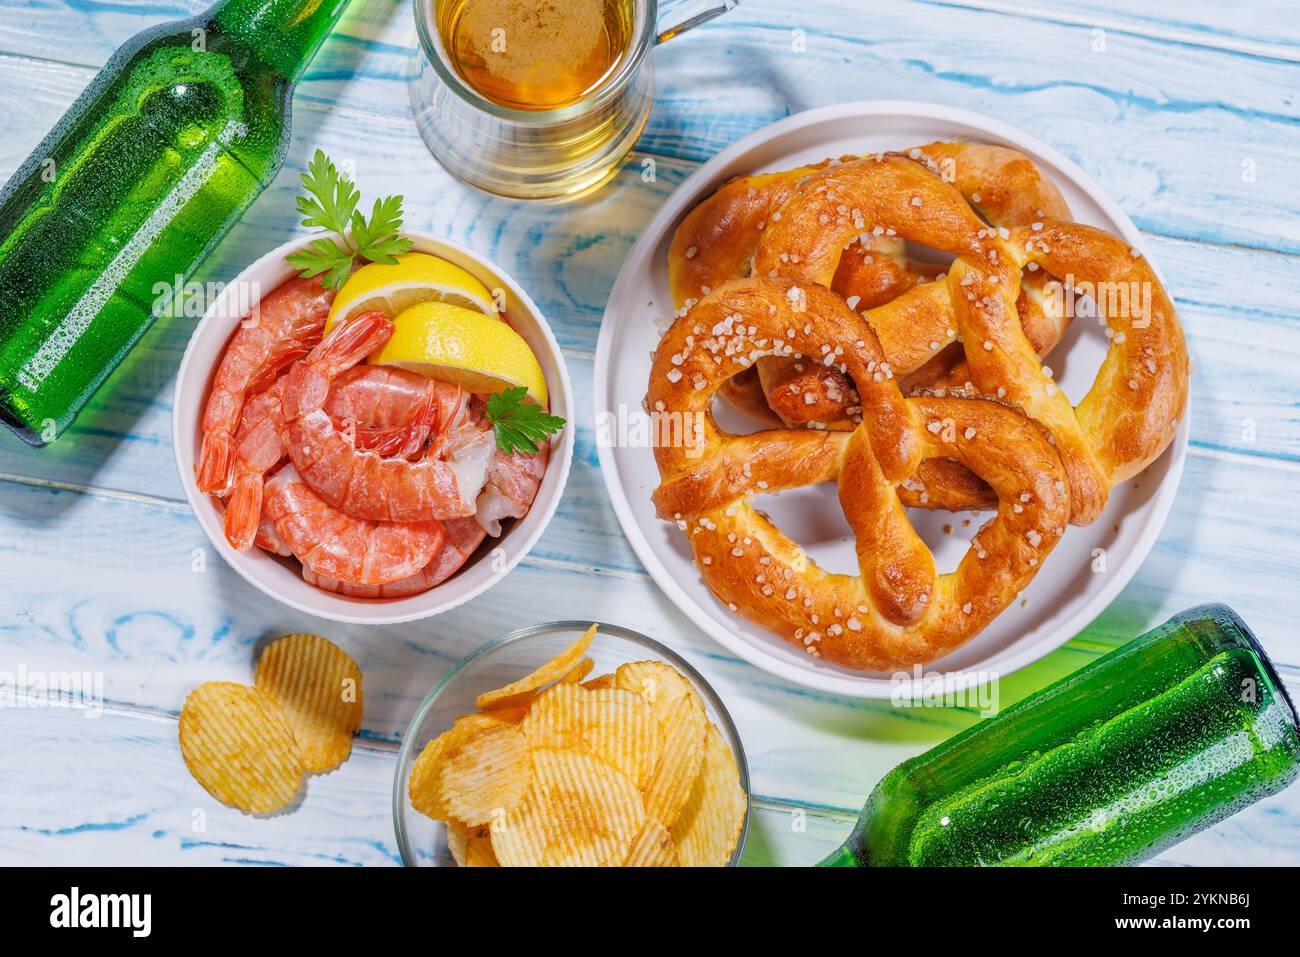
x,y
1178,120
95,530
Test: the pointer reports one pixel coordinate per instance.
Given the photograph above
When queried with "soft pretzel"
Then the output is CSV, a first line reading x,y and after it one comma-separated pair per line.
x,y
897,611
1131,413
912,386
718,238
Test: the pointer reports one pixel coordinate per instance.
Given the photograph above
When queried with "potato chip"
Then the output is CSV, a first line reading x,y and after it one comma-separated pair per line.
x,y
428,788
237,743
674,777
615,725
653,847
579,811
471,846
425,787
709,825
318,687
478,850
515,710
511,714
658,683
563,769
579,671
520,691
485,774
457,841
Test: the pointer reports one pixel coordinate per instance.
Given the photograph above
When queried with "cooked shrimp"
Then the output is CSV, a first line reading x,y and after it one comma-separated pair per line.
x,y
335,545
269,540
364,483
463,536
393,412
258,447
286,325
512,485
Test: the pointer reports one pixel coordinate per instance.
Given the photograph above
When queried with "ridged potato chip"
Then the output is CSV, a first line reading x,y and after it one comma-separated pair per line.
x,y
709,825
237,743
518,692
579,671
653,847
658,683
486,774
434,792
471,846
318,687
615,725
457,842
479,852
620,769
579,811
674,777
425,787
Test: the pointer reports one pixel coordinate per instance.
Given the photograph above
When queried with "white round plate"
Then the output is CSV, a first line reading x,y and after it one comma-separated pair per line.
x,y
1083,574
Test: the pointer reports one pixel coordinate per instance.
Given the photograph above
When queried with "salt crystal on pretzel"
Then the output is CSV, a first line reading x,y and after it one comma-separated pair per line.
x,y
897,611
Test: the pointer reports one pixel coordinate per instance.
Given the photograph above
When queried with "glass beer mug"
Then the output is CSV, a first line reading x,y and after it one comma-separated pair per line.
x,y
539,99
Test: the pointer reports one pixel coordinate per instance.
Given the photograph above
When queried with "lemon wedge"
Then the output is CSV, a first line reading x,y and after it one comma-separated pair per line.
x,y
413,279
449,342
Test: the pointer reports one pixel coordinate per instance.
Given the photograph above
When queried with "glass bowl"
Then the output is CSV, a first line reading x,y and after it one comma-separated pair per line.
x,y
422,841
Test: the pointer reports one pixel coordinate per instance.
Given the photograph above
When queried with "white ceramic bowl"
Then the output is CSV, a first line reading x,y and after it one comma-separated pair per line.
x,y
281,578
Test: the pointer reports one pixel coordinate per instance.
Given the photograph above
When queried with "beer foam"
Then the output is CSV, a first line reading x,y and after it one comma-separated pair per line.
x,y
538,42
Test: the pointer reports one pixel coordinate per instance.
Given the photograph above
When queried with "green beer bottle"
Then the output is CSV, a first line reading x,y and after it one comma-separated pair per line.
x,y
181,130
1111,765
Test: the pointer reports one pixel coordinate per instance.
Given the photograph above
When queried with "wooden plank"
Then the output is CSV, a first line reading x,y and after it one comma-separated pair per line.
x,y
1242,395
109,586
1257,29
1230,149
1262,28
153,633
121,794
710,94
128,798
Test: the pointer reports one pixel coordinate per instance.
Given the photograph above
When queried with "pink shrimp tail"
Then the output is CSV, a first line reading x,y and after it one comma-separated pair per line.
x,y
244,511
307,384
349,344
422,425
277,362
214,462
452,412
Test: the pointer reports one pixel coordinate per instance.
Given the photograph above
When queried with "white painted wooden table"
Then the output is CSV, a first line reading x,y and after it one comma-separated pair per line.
x,y
1188,113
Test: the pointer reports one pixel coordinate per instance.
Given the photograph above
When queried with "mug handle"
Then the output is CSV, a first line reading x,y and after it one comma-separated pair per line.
x,y
689,14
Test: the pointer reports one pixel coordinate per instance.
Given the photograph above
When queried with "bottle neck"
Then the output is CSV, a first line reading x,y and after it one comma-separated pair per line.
x,y
842,856
283,34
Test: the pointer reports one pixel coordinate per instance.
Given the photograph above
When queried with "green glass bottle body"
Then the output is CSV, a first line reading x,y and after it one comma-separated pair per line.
x,y
176,136
1155,741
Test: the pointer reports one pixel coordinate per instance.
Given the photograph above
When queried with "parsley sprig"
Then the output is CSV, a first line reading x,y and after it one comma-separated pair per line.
x,y
520,426
331,203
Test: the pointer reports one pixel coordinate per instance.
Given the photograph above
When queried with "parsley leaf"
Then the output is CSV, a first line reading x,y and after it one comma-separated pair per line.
x,y
324,255
333,196
377,240
520,426
331,204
